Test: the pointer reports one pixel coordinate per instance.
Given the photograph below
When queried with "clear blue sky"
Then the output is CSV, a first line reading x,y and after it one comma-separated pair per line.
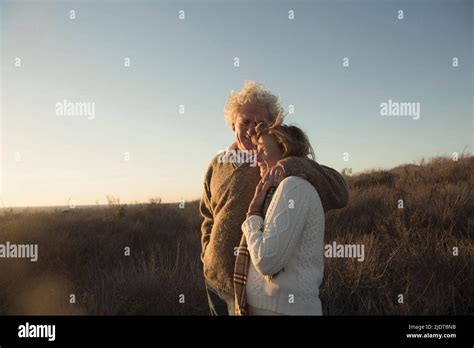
x,y
190,62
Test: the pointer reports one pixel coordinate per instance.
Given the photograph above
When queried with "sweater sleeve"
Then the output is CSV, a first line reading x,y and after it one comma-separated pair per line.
x,y
271,249
329,184
205,209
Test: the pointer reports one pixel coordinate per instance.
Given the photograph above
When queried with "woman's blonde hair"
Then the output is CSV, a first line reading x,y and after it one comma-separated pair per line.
x,y
292,139
252,92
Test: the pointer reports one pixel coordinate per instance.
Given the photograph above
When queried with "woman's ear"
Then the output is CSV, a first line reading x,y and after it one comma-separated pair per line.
x,y
233,126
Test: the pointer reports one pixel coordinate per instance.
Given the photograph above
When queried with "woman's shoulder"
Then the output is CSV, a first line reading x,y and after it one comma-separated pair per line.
x,y
296,182
293,181
300,184
299,190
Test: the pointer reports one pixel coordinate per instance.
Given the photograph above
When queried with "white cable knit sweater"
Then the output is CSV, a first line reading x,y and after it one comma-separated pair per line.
x,y
291,242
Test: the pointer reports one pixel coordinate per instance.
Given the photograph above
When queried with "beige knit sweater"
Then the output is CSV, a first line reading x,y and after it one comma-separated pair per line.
x,y
228,190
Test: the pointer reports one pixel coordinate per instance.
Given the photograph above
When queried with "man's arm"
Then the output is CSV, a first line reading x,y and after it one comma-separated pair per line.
x,y
330,185
205,209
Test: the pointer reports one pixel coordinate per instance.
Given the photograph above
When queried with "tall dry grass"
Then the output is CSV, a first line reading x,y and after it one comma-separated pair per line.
x,y
408,251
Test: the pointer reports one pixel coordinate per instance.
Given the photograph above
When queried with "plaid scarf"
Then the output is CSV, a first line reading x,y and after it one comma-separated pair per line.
x,y
242,263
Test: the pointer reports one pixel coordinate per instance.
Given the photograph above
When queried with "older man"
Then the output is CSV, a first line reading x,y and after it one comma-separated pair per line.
x,y
229,187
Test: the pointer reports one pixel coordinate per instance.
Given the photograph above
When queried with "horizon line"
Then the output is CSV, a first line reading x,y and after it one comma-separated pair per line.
x,y
421,162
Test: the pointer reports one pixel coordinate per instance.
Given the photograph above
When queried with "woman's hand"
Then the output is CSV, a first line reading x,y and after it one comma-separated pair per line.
x,y
258,199
277,174
272,178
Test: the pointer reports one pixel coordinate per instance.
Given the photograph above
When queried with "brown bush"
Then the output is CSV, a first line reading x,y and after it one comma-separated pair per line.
x,y
408,251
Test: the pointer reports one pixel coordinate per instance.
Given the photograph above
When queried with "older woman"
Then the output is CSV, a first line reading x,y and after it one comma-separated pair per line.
x,y
285,243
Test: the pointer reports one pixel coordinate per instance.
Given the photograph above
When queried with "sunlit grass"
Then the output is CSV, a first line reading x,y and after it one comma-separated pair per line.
x,y
408,251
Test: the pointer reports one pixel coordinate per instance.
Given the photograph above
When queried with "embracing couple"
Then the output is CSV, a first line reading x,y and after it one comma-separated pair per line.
x,y
263,228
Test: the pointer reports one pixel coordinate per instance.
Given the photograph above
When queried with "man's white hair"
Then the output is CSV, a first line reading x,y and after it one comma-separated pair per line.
x,y
252,92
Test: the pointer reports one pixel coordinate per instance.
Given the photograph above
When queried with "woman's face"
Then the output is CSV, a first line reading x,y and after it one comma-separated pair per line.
x,y
269,152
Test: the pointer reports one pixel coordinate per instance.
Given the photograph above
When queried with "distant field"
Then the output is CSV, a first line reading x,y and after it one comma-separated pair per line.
x,y
408,251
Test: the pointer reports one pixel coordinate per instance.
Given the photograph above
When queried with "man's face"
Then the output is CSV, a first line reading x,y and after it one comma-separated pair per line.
x,y
244,126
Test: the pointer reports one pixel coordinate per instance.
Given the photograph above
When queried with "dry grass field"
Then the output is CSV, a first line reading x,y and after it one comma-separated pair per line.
x,y
408,251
